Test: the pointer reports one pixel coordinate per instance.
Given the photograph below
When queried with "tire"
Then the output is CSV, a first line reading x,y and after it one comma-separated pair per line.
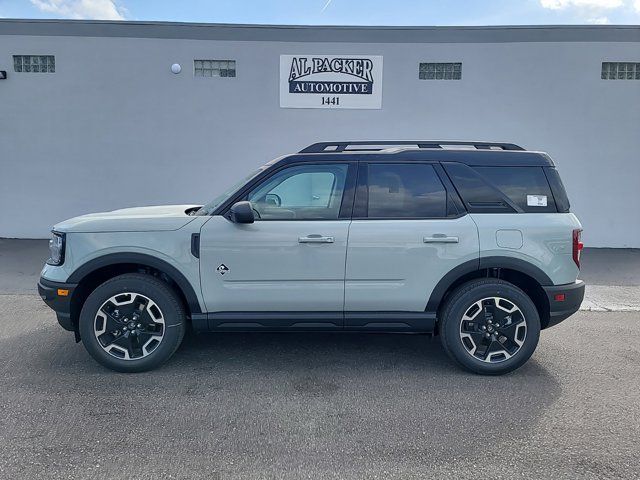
x,y
471,332
132,323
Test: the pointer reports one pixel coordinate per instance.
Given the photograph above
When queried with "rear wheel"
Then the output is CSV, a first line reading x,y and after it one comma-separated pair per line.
x,y
132,323
489,326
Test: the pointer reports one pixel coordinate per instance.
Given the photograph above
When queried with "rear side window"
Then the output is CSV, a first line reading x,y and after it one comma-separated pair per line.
x,y
405,191
527,187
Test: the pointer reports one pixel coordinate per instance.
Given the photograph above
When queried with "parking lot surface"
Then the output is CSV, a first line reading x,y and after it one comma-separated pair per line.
x,y
319,406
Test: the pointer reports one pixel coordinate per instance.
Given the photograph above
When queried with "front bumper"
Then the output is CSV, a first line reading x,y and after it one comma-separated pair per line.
x,y
560,308
58,296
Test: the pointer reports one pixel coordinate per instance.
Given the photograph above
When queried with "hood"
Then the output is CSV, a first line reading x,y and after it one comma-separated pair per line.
x,y
137,219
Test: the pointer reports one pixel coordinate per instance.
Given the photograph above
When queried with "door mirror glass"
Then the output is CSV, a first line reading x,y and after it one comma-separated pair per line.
x,y
242,212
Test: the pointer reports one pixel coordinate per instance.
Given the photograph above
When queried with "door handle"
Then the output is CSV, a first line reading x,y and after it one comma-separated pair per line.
x,y
441,238
315,239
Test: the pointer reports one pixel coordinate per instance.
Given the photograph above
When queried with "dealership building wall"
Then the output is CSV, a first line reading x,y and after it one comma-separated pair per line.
x,y
114,127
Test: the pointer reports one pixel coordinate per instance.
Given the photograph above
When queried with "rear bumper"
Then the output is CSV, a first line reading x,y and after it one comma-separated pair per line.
x,y
58,297
560,310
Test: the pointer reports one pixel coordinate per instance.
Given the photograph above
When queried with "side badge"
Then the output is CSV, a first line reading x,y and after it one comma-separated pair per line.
x,y
222,269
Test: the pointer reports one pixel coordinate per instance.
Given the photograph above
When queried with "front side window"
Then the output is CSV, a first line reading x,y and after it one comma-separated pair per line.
x,y
405,191
304,192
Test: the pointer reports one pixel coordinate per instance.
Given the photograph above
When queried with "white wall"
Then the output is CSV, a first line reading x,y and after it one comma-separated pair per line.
x,y
113,127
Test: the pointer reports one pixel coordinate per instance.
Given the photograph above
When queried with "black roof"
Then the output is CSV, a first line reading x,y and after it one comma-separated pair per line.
x,y
479,153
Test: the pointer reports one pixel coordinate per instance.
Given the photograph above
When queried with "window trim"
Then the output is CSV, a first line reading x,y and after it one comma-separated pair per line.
x,y
346,205
453,196
361,202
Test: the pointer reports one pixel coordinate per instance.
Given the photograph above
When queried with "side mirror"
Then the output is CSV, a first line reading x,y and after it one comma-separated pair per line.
x,y
242,212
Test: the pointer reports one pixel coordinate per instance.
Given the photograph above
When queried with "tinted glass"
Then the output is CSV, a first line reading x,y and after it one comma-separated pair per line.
x,y
558,190
306,192
527,187
405,191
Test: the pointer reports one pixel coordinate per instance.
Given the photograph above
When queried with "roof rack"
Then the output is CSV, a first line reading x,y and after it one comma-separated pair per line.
x,y
376,146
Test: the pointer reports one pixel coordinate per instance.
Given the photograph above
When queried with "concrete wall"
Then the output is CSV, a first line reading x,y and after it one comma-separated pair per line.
x,y
113,127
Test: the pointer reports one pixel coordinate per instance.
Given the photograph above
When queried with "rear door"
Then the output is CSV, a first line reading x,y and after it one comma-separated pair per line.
x,y
409,229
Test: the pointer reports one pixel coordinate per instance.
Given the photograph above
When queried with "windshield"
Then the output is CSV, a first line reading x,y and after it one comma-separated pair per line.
x,y
220,199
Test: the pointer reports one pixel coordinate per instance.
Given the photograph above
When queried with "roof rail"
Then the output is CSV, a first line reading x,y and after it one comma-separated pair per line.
x,y
376,146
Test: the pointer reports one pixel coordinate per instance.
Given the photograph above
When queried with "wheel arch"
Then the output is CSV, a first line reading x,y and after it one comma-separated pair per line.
x,y
522,274
93,273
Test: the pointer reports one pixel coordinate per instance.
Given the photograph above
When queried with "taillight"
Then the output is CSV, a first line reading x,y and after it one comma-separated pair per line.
x,y
577,245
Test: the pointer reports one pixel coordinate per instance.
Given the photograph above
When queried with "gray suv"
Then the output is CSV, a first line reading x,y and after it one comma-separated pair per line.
x,y
472,241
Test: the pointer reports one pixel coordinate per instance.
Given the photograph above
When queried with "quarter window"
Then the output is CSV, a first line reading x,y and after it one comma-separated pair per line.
x,y
305,192
405,191
527,187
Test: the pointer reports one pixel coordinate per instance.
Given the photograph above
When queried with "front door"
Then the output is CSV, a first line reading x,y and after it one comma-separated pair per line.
x,y
287,268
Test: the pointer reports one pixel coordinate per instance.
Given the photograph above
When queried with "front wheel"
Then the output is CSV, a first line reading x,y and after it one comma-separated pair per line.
x,y
132,323
489,326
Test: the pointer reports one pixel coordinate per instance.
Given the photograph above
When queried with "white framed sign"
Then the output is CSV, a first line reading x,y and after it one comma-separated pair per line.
x,y
331,81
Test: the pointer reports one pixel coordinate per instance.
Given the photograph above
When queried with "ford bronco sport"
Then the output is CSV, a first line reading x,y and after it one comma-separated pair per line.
x,y
473,241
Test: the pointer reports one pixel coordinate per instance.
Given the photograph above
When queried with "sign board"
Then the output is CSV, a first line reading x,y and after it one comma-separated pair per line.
x,y
330,81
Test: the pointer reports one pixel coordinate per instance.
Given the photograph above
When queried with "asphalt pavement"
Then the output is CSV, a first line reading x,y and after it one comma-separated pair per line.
x,y
319,406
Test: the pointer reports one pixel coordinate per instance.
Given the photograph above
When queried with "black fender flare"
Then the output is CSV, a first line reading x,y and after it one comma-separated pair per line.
x,y
142,259
482,263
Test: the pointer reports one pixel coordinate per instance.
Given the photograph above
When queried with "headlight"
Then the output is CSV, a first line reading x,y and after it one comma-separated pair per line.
x,y
56,249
